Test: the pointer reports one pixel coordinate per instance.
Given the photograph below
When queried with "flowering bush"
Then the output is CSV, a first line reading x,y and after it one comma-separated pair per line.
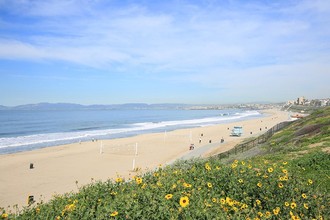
x,y
199,189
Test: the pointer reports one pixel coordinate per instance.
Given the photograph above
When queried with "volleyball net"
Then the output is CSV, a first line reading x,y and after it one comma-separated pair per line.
x,y
168,136
119,149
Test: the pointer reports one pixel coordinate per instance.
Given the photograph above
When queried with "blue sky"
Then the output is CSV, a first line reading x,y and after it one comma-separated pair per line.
x,y
176,51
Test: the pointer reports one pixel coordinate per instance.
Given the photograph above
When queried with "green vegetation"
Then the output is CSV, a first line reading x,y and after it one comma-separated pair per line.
x,y
290,180
304,108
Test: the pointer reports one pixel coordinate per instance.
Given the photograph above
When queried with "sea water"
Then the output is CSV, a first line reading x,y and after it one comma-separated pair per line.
x,y
23,130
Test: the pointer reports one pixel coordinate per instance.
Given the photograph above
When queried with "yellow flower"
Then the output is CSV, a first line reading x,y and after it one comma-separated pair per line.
x,y
305,206
268,214
214,200
244,206
4,215
310,182
243,163
119,180
37,210
286,204
259,184
276,211
304,195
218,168
209,185
240,181
184,201
285,171
69,208
168,196
260,214
258,202
231,203
113,214
187,185
138,180
58,218
280,185
250,166
207,167
234,165
285,163
270,170
222,201
293,217
293,205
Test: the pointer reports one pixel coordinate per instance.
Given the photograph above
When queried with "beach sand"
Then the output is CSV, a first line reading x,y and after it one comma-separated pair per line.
x,y
62,169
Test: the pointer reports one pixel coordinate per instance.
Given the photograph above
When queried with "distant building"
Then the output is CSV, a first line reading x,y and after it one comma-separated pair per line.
x,y
301,100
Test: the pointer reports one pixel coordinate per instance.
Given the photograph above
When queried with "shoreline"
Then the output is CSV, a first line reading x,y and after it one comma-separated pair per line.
x,y
56,169
35,141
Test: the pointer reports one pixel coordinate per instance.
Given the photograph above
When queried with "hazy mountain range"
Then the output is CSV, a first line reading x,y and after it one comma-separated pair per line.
x,y
71,106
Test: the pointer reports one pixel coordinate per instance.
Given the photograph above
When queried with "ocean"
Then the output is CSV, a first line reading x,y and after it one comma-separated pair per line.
x,y
24,130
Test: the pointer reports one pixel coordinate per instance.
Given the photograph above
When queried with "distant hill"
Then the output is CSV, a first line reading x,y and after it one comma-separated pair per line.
x,y
48,106
71,106
3,107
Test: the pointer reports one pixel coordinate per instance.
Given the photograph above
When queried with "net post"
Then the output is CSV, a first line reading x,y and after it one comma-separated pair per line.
x,y
133,165
101,148
136,148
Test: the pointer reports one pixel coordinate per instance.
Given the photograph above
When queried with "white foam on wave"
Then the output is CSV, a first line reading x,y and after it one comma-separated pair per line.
x,y
137,127
202,121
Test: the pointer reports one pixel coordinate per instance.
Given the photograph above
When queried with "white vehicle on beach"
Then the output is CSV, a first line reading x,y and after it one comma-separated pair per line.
x,y
237,131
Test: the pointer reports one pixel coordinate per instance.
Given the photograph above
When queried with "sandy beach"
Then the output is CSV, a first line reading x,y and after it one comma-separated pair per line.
x,y
61,169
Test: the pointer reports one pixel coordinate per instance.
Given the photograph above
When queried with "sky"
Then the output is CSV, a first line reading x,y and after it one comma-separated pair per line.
x,y
174,51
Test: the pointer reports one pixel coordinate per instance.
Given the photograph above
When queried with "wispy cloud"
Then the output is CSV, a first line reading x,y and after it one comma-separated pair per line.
x,y
206,37
204,41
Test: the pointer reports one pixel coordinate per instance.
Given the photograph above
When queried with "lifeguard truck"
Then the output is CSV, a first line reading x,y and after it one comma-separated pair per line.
x,y
237,131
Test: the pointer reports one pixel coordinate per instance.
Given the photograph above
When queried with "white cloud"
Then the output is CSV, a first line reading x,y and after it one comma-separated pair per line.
x,y
13,49
228,43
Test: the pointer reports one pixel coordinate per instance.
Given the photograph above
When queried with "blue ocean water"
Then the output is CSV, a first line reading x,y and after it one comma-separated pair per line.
x,y
22,130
